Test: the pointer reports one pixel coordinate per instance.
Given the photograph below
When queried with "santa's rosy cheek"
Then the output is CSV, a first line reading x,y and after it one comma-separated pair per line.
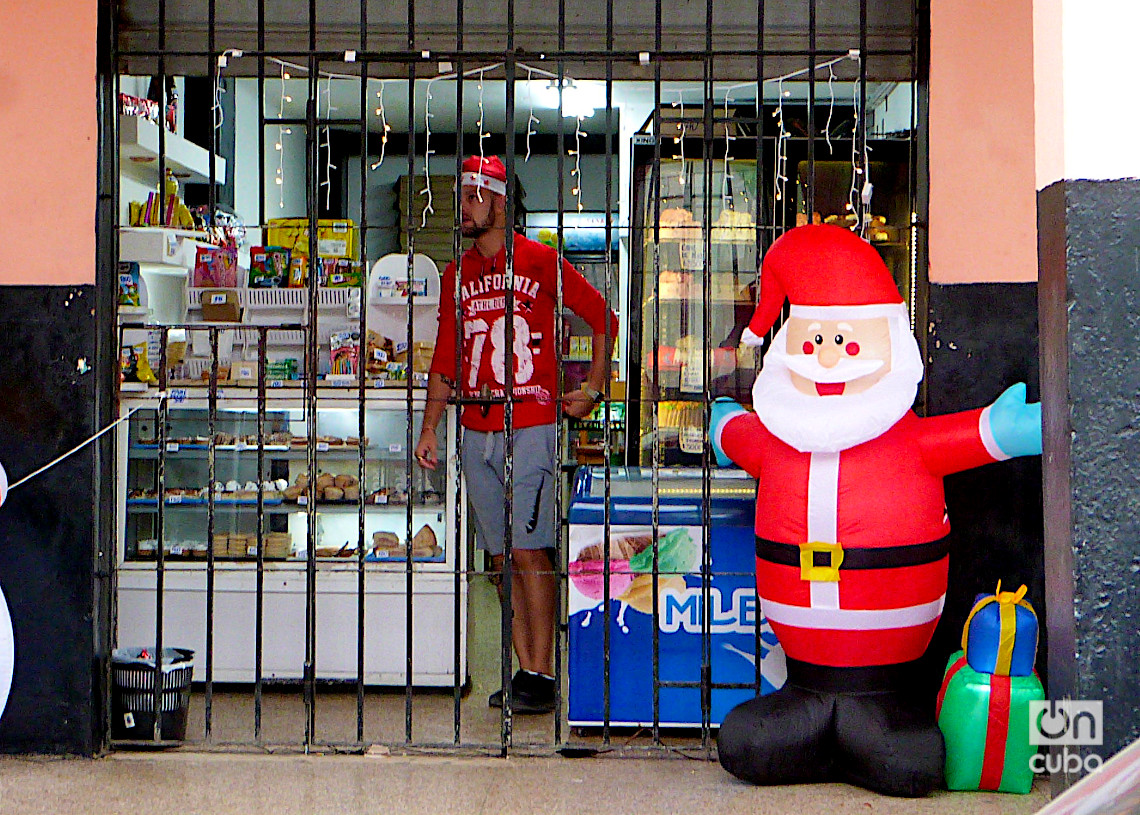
x,y
852,349
808,348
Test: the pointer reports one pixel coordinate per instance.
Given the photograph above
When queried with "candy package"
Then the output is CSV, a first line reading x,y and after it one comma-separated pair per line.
x,y
298,271
268,267
129,284
216,267
339,273
134,365
345,352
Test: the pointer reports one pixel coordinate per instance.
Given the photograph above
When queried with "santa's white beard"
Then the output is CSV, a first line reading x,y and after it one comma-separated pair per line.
x,y
827,424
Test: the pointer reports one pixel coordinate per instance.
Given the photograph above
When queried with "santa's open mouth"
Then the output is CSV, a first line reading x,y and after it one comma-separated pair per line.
x,y
830,388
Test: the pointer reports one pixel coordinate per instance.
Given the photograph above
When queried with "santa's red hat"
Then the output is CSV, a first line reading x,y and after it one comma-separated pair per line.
x,y
825,272
486,172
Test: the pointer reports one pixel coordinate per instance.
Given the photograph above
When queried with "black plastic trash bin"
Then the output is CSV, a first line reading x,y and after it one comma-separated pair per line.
x,y
132,694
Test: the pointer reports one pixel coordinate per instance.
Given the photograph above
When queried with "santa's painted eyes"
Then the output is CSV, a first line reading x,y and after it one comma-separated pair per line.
x,y
819,339
839,339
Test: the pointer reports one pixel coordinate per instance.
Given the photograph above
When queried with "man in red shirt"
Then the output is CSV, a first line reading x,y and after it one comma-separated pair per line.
x,y
482,379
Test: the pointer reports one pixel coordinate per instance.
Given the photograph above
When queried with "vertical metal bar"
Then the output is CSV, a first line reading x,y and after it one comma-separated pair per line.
x,y
160,534
361,394
409,586
211,457
259,623
213,72
312,147
706,377
606,386
509,387
653,394
761,238
810,192
559,330
457,543
860,134
259,599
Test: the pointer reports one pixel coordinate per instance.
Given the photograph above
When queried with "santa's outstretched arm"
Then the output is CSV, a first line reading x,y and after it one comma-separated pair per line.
x,y
1007,429
733,432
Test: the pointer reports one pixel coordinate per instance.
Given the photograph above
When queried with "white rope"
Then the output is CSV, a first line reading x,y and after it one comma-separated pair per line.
x,y
73,450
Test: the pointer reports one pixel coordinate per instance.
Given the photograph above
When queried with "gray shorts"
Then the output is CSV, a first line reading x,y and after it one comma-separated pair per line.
x,y
534,484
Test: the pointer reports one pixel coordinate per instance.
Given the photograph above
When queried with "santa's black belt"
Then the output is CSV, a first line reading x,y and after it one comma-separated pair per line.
x,y
823,561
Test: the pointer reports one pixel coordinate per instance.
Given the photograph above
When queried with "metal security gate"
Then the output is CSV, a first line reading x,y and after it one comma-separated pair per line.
x,y
271,512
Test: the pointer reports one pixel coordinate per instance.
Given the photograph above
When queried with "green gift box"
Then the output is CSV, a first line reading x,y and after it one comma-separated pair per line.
x,y
984,719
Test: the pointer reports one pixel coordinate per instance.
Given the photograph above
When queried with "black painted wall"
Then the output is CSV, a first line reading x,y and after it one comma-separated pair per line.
x,y
47,535
982,339
1089,250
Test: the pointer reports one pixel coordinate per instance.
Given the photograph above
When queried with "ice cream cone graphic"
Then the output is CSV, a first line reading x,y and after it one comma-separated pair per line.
x,y
7,638
631,566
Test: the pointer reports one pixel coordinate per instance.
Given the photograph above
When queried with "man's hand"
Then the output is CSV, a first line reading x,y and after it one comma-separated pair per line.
x,y
427,449
577,404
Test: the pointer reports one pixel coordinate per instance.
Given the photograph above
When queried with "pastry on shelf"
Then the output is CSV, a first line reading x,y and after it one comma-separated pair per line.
x,y
677,224
734,225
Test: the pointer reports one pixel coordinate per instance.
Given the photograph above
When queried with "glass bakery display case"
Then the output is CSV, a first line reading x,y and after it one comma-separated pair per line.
x,y
688,311
263,524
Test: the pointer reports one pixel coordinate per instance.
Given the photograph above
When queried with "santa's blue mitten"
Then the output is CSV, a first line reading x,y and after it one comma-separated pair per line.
x,y
723,409
1013,426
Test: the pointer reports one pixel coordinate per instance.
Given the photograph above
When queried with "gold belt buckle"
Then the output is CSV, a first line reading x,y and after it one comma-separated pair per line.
x,y
810,571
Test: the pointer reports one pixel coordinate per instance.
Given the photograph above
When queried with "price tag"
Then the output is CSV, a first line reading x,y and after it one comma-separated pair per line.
x,y
302,500
381,499
178,395
692,440
379,355
240,446
692,379
217,299
322,447
276,383
251,550
174,499
395,448
172,447
176,550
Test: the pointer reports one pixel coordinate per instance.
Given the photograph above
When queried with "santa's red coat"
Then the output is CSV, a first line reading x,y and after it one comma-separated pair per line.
x,y
886,492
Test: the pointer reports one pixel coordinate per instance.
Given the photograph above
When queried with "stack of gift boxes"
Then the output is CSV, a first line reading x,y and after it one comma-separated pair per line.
x,y
983,706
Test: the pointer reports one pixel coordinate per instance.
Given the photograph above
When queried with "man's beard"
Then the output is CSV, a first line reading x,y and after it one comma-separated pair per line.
x,y
476,229
828,424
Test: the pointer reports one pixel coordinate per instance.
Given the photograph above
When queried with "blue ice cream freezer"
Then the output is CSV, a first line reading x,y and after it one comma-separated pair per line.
x,y
732,608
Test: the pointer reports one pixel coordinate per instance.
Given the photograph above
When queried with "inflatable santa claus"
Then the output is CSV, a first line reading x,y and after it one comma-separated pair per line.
x,y
851,522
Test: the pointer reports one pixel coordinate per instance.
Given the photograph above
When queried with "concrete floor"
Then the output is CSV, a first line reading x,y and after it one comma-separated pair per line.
x,y
179,782
228,773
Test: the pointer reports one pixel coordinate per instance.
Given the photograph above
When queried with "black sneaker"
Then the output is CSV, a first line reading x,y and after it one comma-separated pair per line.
x,y
496,698
532,693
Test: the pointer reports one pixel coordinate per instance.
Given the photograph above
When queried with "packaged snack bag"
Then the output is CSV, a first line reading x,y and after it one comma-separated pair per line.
x,y
129,284
134,365
216,267
298,271
268,267
339,273
345,348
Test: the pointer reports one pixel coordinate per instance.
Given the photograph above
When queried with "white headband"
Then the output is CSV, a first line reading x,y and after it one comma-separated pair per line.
x,y
469,179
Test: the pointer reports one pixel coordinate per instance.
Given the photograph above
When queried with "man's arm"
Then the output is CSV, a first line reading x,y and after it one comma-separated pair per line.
x,y
427,448
578,403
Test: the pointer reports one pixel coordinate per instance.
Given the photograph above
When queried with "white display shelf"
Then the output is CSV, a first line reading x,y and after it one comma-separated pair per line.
x,y
277,398
161,248
139,154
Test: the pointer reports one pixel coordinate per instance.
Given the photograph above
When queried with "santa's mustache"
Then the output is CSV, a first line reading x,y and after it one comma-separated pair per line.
x,y
845,370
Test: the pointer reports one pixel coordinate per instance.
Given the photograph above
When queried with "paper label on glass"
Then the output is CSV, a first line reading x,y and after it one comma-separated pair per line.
x,y
692,255
692,378
692,440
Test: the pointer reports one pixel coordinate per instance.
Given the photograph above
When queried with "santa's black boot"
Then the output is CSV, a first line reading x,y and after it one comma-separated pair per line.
x,y
783,738
888,742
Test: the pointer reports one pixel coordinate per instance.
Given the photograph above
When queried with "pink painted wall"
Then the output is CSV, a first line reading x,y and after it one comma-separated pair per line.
x,y
48,129
983,203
